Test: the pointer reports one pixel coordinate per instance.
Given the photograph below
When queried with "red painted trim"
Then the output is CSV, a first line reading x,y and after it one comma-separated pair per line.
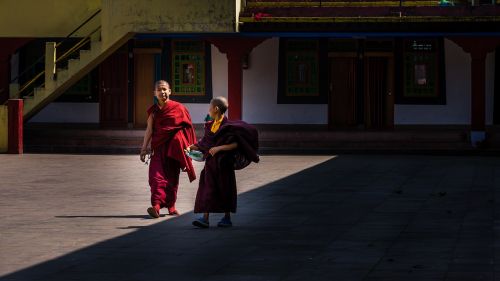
x,y
15,130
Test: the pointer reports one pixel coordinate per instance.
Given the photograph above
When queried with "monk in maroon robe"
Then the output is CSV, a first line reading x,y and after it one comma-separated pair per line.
x,y
227,145
169,131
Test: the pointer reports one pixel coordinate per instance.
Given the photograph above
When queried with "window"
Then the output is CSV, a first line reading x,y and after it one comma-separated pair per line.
x,y
421,79
300,71
190,70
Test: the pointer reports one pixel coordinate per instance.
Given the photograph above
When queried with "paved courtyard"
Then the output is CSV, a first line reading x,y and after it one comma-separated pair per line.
x,y
338,217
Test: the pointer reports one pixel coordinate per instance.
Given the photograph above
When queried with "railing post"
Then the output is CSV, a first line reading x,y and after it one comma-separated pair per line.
x,y
15,131
14,91
50,64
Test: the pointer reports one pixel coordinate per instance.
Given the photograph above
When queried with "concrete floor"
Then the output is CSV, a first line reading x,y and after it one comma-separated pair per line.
x,y
338,217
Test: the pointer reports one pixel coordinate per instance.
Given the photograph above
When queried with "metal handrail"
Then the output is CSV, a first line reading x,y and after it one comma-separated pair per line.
x,y
74,31
27,69
77,46
27,85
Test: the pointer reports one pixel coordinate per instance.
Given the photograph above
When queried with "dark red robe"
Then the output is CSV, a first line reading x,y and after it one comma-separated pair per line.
x,y
217,186
172,133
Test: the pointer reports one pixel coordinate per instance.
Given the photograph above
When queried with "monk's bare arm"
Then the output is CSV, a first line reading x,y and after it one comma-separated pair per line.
x,y
224,147
147,138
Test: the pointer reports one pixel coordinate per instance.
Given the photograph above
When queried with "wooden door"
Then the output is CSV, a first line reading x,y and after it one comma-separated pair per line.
x,y
378,91
144,78
343,88
113,91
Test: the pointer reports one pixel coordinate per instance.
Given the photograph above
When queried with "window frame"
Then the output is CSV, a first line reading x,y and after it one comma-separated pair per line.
x,y
169,70
321,96
438,73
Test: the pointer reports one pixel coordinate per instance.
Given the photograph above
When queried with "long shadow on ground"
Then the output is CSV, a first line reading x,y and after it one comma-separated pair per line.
x,y
323,223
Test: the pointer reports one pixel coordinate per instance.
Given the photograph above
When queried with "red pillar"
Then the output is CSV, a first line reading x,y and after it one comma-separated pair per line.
x,y
478,48
478,92
235,49
15,119
234,85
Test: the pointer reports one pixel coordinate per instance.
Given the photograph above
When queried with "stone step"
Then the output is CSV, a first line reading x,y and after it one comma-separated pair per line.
x,y
272,139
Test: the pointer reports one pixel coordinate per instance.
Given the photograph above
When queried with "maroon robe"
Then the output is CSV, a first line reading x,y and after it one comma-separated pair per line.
x,y
172,133
217,186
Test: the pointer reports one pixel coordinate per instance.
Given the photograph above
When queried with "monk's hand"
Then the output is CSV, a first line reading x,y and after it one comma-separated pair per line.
x,y
143,154
192,147
214,150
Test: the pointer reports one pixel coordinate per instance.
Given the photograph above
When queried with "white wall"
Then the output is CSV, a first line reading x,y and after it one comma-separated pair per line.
x,y
260,84
458,94
62,112
260,92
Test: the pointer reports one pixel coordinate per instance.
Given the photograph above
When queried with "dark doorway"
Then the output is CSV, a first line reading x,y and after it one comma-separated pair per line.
x,y
343,88
361,91
113,90
378,97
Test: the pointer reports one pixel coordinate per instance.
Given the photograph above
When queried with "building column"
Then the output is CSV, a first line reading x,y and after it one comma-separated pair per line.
x,y
478,48
234,85
478,93
235,49
15,127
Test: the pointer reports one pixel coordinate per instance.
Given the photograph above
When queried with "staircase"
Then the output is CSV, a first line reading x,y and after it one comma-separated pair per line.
x,y
61,79
58,80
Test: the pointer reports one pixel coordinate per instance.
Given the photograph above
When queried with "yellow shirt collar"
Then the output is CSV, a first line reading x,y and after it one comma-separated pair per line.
x,y
216,124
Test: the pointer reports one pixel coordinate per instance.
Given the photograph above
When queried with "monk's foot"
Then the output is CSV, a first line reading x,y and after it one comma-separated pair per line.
x,y
153,213
173,212
201,222
225,222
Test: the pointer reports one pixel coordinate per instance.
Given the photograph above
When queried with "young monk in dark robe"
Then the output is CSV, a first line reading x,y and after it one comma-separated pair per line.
x,y
227,145
169,131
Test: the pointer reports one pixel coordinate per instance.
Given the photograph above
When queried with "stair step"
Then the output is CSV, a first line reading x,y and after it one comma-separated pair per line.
x,y
62,76
29,103
73,66
95,48
85,56
39,94
90,138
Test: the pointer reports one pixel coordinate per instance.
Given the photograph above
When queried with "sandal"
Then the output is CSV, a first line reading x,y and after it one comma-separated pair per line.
x,y
201,223
153,212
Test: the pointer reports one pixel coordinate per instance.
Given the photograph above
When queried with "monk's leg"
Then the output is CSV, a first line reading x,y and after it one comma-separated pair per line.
x,y
172,171
157,181
226,179
206,197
